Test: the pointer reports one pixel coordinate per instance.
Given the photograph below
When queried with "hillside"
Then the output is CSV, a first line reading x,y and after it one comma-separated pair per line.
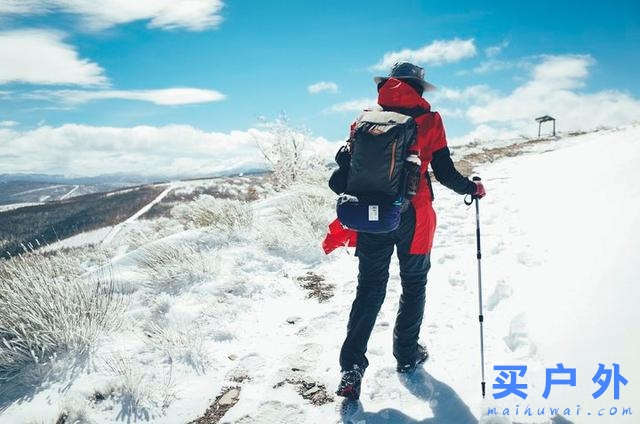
x,y
36,225
65,221
232,304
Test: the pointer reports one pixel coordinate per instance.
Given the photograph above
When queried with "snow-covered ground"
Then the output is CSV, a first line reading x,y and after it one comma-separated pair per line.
x,y
4,208
117,228
70,192
561,236
82,239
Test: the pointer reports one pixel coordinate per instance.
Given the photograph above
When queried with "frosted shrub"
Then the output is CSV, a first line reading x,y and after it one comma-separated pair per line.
x,y
301,222
148,231
180,342
286,150
172,267
75,411
48,308
70,261
140,394
307,211
223,215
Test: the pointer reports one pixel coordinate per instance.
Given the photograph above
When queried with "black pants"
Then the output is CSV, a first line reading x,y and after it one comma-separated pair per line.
x,y
374,252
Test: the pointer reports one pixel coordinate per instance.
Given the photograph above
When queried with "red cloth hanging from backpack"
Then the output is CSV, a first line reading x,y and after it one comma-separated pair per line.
x,y
338,236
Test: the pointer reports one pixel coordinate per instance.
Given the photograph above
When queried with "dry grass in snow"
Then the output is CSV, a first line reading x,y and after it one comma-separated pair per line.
x,y
49,308
300,223
231,217
141,395
171,267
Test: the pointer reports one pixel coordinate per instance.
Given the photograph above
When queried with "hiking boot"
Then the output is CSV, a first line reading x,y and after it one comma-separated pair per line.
x,y
421,356
350,382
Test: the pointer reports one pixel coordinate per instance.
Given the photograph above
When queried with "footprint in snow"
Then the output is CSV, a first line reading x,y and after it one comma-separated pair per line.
x,y
527,259
317,324
273,412
322,320
501,292
306,356
293,319
498,248
457,278
518,340
252,361
375,351
446,257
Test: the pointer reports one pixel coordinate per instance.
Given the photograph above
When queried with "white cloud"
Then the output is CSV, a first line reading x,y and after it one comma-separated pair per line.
x,y
42,57
193,15
562,72
172,150
484,132
14,6
437,53
446,112
6,124
495,65
492,66
328,86
493,51
166,96
357,105
553,90
480,92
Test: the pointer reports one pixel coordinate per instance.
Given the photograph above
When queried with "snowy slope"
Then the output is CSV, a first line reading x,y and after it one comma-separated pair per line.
x,y
561,234
114,231
82,239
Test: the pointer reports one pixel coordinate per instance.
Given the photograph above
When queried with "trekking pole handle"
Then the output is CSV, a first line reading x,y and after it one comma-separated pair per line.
x,y
473,196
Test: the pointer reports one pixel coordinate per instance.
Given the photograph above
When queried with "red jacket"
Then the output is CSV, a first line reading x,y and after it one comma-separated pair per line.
x,y
395,94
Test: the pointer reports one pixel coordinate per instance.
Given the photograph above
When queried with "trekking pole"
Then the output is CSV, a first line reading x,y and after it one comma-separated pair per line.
x,y
479,256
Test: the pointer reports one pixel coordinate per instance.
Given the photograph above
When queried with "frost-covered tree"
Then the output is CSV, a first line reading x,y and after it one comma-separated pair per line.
x,y
286,150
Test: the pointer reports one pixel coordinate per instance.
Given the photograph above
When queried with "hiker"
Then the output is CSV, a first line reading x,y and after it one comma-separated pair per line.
x,y
400,92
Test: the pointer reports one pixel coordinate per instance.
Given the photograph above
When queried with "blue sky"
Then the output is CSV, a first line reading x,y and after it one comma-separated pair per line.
x,y
242,60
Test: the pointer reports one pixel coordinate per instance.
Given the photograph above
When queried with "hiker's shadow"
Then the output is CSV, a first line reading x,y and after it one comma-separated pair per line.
x,y
446,405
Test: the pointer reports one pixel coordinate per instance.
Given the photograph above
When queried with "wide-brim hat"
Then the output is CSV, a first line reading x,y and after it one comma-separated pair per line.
x,y
407,71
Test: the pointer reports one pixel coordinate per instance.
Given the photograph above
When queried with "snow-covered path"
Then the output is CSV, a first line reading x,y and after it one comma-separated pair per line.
x,y
558,261
559,287
559,278
69,193
117,228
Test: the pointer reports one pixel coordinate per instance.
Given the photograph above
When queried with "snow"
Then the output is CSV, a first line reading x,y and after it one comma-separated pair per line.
x,y
222,184
82,239
4,208
37,189
69,193
560,234
117,228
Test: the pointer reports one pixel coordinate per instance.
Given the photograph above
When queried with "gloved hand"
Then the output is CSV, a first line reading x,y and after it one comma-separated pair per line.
x,y
343,157
480,191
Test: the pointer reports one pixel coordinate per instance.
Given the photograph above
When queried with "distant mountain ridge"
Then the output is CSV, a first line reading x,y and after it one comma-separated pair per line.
x,y
124,178
40,188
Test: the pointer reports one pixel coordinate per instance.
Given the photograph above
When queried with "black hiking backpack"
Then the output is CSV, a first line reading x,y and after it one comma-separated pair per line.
x,y
375,193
